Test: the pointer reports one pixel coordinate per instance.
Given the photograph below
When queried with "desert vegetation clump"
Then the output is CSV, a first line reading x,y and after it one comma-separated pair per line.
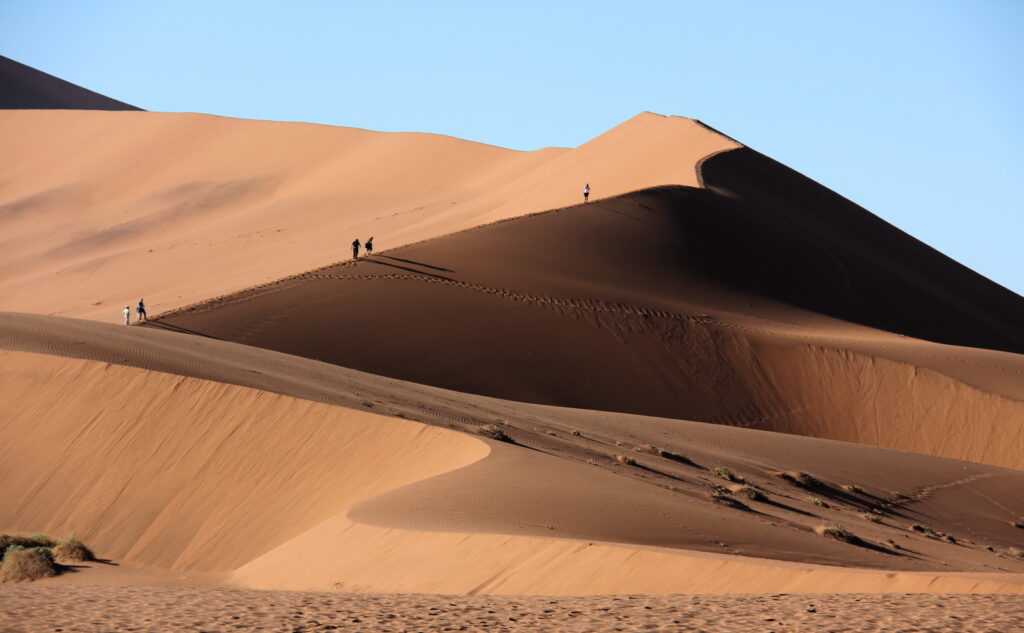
x,y
27,558
924,529
23,564
818,501
36,540
750,492
839,533
722,497
71,550
871,516
798,478
854,488
494,432
623,459
726,474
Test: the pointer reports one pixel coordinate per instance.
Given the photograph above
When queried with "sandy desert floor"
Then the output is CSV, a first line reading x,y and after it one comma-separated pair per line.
x,y
93,609
717,397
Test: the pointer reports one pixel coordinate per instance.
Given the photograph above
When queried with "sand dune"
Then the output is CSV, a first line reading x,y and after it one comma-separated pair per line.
x,y
179,472
24,87
102,208
674,388
624,288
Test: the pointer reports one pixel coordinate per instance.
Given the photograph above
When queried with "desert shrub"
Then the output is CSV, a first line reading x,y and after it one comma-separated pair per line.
x,y
798,479
71,550
924,529
1018,524
10,549
27,565
622,459
42,540
838,533
725,473
6,540
722,497
492,431
750,492
871,516
950,538
819,502
854,488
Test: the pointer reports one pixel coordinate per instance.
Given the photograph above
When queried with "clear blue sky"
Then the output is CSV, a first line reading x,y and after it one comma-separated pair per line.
x,y
913,109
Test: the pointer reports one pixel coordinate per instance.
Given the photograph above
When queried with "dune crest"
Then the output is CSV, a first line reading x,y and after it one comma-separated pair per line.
x,y
174,472
102,208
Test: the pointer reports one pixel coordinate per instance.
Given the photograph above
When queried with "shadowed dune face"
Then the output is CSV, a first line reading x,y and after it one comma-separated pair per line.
x,y
23,87
621,305
795,241
170,471
98,209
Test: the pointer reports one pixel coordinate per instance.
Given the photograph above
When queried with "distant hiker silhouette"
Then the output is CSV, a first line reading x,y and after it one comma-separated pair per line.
x,y
369,247
355,248
586,192
127,315
141,309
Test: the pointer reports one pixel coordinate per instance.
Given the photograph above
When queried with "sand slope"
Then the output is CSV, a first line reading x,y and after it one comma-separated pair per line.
x,y
616,306
24,87
169,471
173,472
99,209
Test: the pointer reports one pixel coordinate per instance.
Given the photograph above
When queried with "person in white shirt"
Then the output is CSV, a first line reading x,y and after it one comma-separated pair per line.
x,y
586,192
127,315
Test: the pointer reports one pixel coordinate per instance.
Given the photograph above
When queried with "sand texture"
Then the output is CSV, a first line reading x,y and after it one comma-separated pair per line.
x,y
716,397
159,609
381,521
102,208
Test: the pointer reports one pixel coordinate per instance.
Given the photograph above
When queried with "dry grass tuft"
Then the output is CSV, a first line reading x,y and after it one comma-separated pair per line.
x,y
71,550
622,459
494,432
798,478
722,497
924,529
871,516
838,533
36,540
819,502
726,474
854,488
748,491
26,565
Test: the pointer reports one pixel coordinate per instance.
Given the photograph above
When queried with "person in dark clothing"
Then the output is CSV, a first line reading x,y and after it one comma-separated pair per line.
x,y
141,309
355,248
369,247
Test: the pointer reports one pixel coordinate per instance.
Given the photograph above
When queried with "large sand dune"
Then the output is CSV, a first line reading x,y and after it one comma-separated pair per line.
x,y
521,394
102,208
616,305
177,471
